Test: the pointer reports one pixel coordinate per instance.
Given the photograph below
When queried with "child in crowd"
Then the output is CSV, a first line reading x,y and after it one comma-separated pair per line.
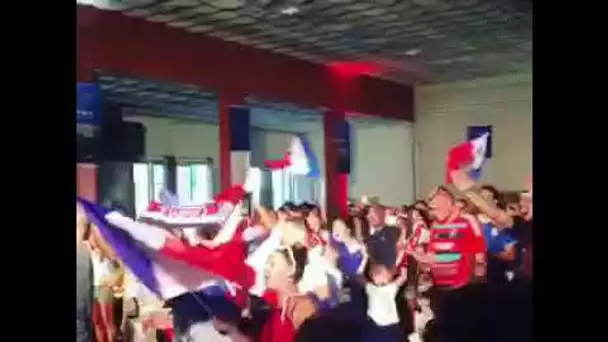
x,y
383,317
423,315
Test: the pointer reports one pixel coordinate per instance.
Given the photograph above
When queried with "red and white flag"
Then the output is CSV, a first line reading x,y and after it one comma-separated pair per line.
x,y
217,211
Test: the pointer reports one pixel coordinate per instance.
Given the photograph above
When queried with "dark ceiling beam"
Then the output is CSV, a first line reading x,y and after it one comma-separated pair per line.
x,y
113,42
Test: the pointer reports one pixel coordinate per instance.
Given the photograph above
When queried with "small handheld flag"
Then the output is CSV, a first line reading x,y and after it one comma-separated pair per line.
x,y
469,154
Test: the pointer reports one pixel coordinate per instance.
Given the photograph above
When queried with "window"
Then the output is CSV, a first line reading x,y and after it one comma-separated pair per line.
x,y
194,183
158,180
295,188
255,177
149,180
281,187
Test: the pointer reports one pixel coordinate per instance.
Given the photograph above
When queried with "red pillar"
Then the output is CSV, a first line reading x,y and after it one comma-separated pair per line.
x,y
224,122
336,184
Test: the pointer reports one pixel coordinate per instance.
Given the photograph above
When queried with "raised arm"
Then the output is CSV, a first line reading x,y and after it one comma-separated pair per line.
x,y
499,217
402,278
360,277
268,218
359,230
463,182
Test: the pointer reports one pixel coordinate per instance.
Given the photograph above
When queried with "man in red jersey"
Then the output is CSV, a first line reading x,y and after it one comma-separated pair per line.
x,y
456,252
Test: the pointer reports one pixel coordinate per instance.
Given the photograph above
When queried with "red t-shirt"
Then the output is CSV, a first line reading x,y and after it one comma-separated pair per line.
x,y
459,248
278,327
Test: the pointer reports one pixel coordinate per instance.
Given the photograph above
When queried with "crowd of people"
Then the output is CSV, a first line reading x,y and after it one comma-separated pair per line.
x,y
454,266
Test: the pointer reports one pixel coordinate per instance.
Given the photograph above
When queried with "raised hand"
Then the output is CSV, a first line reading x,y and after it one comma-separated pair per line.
x,y
462,180
402,278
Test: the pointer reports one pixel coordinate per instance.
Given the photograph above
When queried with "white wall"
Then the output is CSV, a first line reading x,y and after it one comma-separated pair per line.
x,y
194,140
377,170
382,157
444,111
268,145
185,139
383,162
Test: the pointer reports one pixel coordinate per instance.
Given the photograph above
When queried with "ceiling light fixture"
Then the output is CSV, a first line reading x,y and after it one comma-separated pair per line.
x,y
111,5
412,52
290,10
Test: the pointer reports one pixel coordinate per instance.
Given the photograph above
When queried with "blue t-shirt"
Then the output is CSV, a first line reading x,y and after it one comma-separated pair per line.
x,y
496,240
348,262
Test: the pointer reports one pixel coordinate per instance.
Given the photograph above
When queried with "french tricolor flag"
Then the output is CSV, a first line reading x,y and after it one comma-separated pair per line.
x,y
299,159
471,155
170,268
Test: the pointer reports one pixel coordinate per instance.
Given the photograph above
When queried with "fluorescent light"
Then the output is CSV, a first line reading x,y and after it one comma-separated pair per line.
x,y
412,52
108,4
290,10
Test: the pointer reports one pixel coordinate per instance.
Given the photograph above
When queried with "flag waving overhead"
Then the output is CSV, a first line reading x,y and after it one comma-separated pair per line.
x,y
159,274
469,154
163,263
299,159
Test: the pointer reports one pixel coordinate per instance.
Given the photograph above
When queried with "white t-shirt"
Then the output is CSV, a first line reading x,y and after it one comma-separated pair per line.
x,y
381,307
257,260
319,272
314,276
102,268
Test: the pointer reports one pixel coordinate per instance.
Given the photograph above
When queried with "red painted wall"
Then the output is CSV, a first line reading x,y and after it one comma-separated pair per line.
x,y
116,43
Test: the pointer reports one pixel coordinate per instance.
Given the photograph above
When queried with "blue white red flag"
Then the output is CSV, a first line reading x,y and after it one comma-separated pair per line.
x,y
471,154
299,159
164,264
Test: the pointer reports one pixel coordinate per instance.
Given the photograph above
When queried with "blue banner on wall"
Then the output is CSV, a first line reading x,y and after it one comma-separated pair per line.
x,y
88,104
342,143
239,129
477,131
